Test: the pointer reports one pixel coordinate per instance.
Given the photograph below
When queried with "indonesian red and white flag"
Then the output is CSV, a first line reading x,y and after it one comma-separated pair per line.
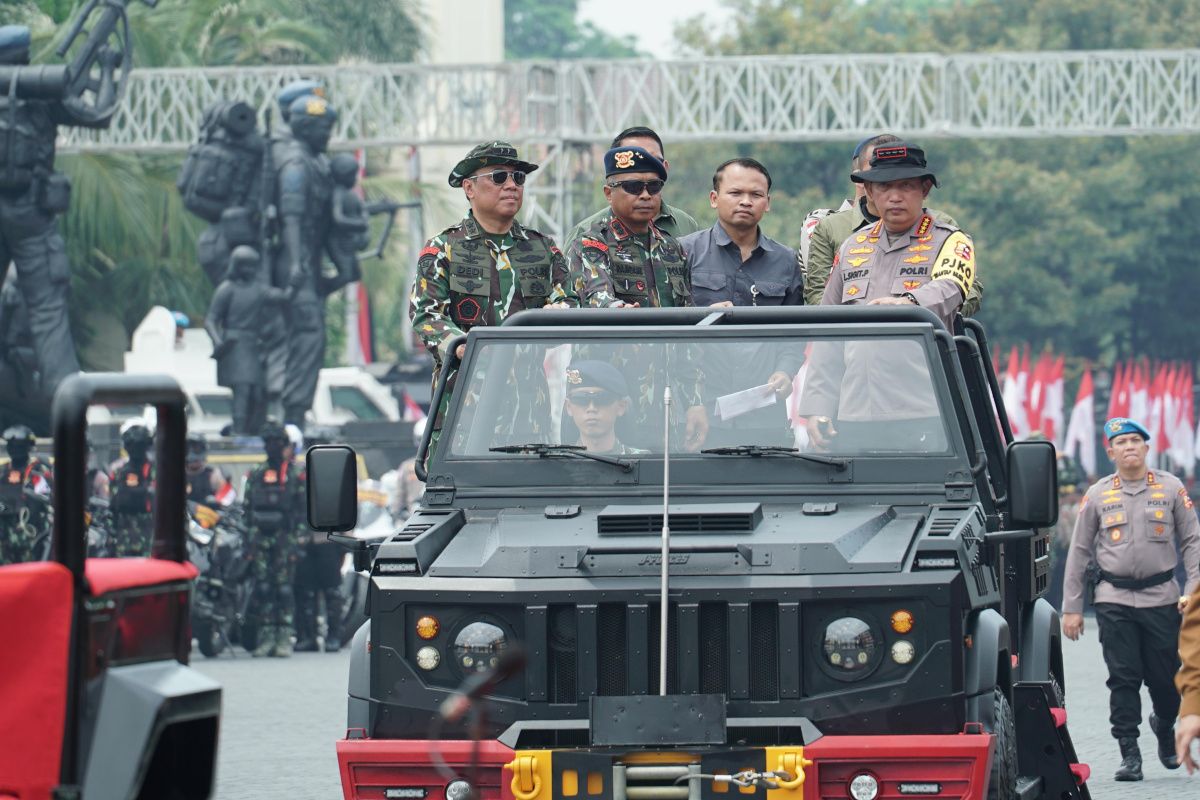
x,y
1080,440
1118,397
412,411
1013,394
1052,407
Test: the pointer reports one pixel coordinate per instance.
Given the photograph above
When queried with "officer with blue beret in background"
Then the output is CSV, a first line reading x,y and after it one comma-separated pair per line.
x,y
1129,524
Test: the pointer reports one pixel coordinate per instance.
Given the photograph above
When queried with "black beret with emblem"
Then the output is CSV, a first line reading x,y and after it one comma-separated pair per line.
x,y
622,160
596,374
895,162
486,155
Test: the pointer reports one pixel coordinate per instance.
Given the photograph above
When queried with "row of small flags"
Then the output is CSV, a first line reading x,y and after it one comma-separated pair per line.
x,y
1160,395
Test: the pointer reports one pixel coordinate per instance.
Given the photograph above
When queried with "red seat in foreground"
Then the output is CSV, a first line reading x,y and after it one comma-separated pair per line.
x,y
106,575
35,627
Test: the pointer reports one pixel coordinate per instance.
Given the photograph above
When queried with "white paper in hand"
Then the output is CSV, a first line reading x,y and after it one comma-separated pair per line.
x,y
734,405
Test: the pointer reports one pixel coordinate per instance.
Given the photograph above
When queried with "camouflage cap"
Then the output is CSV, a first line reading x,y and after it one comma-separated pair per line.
x,y
486,155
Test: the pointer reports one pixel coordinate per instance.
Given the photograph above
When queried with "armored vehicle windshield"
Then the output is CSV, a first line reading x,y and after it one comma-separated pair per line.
x,y
531,395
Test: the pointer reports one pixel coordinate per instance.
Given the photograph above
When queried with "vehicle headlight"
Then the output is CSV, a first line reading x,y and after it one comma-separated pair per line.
x,y
864,786
850,647
477,647
428,658
903,652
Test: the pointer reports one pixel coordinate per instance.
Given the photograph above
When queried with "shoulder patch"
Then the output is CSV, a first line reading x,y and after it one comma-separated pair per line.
x,y
956,262
595,243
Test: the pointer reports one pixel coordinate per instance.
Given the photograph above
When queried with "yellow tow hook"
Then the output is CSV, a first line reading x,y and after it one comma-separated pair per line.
x,y
526,782
793,763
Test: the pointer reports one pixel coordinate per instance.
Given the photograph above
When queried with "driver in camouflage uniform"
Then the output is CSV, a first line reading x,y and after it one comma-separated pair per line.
x,y
24,497
274,501
488,266
132,489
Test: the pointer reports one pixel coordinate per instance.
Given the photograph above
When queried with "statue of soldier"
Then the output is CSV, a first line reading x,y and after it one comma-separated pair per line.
x,y
274,502
304,192
241,307
131,487
24,498
32,195
350,223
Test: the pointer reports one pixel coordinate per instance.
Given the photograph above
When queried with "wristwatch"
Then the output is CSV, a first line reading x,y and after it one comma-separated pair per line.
x,y
909,296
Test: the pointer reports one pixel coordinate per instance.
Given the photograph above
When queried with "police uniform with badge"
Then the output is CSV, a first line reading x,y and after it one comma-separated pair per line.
x,y
32,195
274,502
25,484
930,264
1129,525
132,493
612,264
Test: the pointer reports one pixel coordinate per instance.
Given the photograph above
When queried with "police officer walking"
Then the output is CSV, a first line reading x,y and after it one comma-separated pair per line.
x,y
274,501
24,497
132,490
488,266
1129,525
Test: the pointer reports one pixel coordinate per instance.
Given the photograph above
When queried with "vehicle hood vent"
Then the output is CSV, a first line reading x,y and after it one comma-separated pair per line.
x,y
419,523
698,518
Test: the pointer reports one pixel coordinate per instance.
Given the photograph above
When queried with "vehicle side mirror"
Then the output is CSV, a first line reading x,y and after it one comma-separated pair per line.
x,y
332,487
1032,484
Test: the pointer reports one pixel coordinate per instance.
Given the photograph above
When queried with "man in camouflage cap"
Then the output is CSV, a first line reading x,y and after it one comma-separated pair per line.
x,y
487,266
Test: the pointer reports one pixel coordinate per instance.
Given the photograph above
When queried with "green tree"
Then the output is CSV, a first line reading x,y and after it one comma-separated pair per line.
x,y
551,29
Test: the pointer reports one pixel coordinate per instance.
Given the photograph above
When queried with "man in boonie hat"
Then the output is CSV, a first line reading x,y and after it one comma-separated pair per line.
x,y
1130,524
488,266
597,396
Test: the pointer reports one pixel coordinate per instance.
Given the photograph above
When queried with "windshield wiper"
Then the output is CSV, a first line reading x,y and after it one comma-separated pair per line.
x,y
772,450
578,451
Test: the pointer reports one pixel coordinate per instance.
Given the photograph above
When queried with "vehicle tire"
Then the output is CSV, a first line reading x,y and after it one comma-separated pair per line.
x,y
1002,783
208,636
248,635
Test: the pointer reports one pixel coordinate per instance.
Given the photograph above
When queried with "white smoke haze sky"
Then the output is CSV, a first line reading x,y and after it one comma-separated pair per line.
x,y
655,18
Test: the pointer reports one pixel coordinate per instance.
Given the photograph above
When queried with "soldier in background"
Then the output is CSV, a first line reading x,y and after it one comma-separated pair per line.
x,y
1130,525
25,486
206,483
274,503
131,486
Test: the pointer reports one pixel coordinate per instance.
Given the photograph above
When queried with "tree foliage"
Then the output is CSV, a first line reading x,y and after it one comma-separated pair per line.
x,y
551,29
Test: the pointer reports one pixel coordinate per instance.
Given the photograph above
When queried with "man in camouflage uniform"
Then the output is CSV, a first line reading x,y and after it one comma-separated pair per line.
x,y
24,498
274,502
132,488
905,258
824,240
488,266
668,218
1134,525
624,260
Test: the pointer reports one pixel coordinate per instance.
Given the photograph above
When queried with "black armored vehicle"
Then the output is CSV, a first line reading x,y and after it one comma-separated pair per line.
x,y
858,616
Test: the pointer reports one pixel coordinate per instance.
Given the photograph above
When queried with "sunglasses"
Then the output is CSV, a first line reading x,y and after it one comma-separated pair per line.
x,y
600,399
500,176
635,188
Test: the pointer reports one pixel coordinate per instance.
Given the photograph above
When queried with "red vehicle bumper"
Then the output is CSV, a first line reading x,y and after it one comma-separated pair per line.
x,y
949,767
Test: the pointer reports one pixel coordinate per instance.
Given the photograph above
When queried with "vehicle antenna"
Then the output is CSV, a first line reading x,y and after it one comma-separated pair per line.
x,y
666,544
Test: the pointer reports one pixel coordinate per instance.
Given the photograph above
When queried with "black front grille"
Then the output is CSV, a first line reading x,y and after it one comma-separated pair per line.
x,y
712,648
631,520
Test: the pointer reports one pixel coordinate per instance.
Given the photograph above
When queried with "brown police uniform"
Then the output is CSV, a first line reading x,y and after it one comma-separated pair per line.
x,y
1130,530
932,263
1187,680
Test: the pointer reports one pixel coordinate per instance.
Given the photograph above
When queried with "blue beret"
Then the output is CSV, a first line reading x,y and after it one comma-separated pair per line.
x,y
598,374
623,160
311,105
288,94
1119,425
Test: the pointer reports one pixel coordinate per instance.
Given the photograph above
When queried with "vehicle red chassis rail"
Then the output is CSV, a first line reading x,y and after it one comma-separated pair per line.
x,y
958,764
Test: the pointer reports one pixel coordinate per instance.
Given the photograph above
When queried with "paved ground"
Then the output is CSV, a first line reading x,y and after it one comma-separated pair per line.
x,y
281,719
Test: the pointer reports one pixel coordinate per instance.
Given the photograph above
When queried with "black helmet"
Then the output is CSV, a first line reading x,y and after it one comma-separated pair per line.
x,y
19,434
136,432
196,443
273,429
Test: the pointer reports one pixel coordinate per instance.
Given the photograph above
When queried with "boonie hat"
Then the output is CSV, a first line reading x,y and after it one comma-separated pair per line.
x,y
895,162
486,155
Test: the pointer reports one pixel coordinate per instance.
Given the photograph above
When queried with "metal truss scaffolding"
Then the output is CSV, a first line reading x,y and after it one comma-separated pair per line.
x,y
563,107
